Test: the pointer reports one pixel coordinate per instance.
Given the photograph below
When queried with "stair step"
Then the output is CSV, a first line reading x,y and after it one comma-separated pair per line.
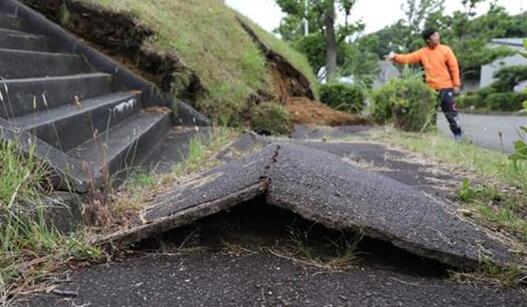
x,y
123,146
31,64
69,125
9,21
4,31
25,42
25,96
174,147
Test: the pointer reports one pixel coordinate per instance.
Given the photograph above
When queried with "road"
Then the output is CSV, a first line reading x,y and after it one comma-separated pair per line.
x,y
484,130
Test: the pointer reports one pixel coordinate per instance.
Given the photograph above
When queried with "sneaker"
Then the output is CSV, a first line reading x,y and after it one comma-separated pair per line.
x,y
458,137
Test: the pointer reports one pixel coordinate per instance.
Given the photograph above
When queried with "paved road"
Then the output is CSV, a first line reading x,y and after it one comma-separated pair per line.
x,y
483,130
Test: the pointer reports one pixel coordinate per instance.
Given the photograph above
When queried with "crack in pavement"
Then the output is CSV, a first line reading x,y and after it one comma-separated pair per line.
x,y
321,187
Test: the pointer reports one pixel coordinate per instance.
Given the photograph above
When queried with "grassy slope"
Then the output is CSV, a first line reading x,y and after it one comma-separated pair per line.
x,y
209,40
298,60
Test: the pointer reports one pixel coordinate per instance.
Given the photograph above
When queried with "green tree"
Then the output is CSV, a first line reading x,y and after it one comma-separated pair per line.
x,y
321,15
469,36
416,13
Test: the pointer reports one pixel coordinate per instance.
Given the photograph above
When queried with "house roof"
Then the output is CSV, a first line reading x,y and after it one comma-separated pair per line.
x,y
516,41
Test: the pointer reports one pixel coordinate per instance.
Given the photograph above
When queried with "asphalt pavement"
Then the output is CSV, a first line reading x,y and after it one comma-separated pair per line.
x,y
495,132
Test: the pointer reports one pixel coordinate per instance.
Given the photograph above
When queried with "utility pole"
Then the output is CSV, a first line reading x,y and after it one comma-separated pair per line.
x,y
306,23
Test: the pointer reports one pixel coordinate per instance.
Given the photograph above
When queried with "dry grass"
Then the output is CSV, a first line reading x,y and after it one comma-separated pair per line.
x,y
142,187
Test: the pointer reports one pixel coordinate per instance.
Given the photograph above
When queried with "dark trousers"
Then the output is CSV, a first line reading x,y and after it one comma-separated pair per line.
x,y
448,106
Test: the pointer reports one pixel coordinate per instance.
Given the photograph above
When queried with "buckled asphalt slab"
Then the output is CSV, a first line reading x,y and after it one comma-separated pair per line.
x,y
323,188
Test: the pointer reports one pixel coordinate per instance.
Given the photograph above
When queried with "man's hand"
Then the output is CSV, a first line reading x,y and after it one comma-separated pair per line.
x,y
390,57
457,90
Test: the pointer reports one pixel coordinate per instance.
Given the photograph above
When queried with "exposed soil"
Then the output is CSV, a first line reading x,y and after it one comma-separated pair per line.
x,y
121,37
306,111
293,90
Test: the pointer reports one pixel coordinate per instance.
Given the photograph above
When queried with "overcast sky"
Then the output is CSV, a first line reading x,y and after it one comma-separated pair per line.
x,y
375,13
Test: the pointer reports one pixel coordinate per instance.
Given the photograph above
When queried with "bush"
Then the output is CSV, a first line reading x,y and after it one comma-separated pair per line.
x,y
343,97
506,101
408,102
270,118
468,101
510,76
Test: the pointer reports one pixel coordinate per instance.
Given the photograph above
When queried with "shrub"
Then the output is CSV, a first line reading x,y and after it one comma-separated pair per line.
x,y
344,97
408,102
270,118
510,76
470,101
506,101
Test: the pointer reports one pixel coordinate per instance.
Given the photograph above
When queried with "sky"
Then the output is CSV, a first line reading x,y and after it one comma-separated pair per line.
x,y
376,14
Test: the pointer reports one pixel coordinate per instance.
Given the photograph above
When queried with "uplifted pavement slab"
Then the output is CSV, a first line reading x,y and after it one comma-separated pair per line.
x,y
213,191
321,187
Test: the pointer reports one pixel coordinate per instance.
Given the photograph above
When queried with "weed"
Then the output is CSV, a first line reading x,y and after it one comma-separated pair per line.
x,y
495,208
489,273
29,247
141,187
492,165
338,254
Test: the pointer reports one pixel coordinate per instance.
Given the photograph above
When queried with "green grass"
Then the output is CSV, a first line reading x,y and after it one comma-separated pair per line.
x,y
208,38
143,186
491,164
29,248
19,176
200,152
295,58
499,209
490,203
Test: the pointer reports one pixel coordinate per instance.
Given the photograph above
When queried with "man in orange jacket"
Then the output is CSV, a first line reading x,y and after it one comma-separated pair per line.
x,y
441,72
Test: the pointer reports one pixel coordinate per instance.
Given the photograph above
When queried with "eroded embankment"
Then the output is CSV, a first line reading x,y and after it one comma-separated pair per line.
x,y
130,42
292,89
122,37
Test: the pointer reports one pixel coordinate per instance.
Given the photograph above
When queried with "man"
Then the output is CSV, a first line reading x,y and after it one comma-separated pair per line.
x,y
441,71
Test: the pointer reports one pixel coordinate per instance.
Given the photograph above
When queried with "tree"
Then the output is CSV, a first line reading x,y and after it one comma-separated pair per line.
x,y
418,11
469,36
322,15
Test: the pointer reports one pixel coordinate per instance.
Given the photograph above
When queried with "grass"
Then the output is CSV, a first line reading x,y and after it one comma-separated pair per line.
x,y
20,176
142,186
295,58
499,209
200,153
497,197
333,255
30,249
207,37
493,165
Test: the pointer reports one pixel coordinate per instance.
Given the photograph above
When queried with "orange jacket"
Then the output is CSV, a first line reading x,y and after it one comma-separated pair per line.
x,y
440,65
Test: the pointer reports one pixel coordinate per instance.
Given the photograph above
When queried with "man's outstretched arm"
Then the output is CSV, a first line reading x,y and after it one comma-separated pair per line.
x,y
410,58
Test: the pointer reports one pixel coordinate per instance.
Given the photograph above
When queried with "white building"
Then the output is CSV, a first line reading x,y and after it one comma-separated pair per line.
x,y
488,70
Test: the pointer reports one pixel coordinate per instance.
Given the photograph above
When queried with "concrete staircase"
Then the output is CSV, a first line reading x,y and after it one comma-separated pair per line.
x,y
59,97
